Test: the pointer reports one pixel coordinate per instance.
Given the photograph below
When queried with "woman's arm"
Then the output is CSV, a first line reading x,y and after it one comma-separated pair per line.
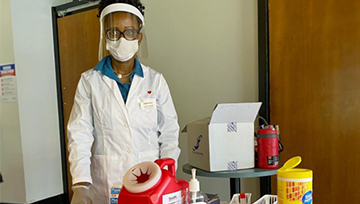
x,y
80,134
167,123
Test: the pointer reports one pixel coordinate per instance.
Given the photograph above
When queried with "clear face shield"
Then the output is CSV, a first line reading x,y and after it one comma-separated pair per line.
x,y
121,32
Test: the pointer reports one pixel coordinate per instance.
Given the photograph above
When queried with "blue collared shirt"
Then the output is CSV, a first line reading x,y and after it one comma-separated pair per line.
x,y
104,66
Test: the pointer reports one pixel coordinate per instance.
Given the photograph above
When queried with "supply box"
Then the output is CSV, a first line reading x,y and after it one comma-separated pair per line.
x,y
226,140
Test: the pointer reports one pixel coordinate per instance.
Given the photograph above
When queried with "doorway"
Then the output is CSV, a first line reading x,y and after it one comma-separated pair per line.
x,y
309,86
76,50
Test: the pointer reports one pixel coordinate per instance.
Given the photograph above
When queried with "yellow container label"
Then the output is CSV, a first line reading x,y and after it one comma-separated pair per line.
x,y
294,191
294,185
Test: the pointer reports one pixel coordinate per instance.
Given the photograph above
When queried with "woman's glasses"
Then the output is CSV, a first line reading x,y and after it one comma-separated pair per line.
x,y
115,34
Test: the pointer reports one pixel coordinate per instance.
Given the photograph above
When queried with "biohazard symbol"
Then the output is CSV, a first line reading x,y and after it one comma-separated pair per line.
x,y
143,177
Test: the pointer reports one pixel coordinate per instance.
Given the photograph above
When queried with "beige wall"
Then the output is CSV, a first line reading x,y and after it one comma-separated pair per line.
x,y
207,51
11,162
29,135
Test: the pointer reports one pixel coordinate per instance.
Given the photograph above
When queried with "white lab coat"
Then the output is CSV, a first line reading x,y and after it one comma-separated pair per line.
x,y
107,137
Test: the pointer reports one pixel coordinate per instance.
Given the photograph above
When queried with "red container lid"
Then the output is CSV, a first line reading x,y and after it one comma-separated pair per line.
x,y
266,131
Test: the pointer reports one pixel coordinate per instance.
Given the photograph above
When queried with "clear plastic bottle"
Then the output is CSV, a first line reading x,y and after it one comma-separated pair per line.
x,y
195,196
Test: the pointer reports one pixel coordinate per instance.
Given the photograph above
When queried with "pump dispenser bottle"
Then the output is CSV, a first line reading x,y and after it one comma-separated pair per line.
x,y
195,196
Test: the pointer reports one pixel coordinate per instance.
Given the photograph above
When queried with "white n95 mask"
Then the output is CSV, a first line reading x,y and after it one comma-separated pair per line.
x,y
122,49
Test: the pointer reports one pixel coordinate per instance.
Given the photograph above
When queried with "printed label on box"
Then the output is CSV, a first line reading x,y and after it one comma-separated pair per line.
x,y
232,166
232,127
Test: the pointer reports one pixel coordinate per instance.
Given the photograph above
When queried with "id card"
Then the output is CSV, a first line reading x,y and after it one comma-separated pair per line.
x,y
148,105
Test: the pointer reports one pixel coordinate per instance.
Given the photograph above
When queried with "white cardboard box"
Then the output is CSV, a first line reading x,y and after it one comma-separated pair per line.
x,y
226,140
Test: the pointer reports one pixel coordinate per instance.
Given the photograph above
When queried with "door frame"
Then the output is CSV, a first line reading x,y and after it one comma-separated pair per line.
x,y
264,75
57,12
264,58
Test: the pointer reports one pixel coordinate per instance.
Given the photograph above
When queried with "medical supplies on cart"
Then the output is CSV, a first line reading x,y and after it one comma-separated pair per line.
x,y
268,148
195,196
226,140
267,199
241,198
150,183
245,198
294,184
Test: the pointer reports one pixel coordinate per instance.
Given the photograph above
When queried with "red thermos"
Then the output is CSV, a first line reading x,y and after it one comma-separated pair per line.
x,y
268,148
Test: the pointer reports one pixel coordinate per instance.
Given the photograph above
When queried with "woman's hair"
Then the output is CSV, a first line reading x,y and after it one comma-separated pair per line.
x,y
135,3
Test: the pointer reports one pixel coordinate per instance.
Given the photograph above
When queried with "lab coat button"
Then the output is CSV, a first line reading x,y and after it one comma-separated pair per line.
x,y
126,125
129,151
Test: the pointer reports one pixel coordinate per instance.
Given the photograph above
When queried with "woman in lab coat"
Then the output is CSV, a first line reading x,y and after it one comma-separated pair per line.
x,y
123,112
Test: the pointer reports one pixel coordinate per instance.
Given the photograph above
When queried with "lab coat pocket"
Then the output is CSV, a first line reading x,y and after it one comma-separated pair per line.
x,y
149,155
147,113
99,174
107,170
117,170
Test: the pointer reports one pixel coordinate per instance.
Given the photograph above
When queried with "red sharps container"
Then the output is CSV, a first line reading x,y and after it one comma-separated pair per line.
x,y
268,148
150,183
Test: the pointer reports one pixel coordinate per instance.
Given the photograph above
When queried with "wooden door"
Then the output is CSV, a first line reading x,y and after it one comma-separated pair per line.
x,y
78,49
315,91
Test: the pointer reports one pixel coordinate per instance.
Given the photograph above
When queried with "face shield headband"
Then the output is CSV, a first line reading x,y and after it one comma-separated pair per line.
x,y
117,7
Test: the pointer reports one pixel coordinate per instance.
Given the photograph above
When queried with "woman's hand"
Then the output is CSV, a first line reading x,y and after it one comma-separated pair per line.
x,y
81,195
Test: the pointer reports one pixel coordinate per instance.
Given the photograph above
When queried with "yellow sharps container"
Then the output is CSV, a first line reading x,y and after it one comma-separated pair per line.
x,y
294,184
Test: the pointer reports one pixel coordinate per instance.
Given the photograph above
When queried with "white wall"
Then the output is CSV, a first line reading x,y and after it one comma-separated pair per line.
x,y
207,51
11,161
38,114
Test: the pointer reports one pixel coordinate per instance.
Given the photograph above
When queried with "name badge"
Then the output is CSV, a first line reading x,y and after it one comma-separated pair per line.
x,y
148,105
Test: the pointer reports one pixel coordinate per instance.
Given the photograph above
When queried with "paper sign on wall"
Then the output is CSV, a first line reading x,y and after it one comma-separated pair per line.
x,y
8,83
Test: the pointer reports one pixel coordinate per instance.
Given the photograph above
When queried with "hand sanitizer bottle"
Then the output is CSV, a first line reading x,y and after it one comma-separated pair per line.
x,y
195,195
